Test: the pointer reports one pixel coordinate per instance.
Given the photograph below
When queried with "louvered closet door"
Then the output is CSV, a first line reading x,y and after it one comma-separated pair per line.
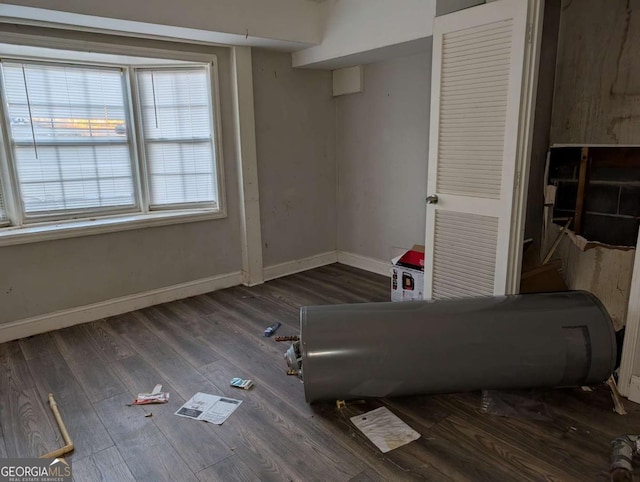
x,y
478,59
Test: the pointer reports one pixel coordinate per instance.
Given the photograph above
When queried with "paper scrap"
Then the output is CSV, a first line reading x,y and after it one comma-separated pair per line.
x,y
156,396
210,408
240,383
384,429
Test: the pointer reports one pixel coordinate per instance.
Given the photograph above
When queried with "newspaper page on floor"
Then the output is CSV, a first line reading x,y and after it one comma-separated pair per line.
x,y
209,408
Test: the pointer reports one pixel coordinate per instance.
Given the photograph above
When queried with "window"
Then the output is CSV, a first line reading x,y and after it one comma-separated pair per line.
x,y
77,146
68,155
3,212
178,139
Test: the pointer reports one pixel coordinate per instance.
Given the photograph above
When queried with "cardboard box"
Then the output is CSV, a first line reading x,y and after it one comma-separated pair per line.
x,y
407,275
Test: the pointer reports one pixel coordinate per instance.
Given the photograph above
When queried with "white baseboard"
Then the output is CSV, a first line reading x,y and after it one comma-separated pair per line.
x,y
291,267
364,262
116,306
103,309
322,259
634,389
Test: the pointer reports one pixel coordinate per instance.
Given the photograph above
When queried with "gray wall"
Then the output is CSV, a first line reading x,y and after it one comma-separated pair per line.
x,y
295,138
381,154
49,276
45,277
597,92
447,6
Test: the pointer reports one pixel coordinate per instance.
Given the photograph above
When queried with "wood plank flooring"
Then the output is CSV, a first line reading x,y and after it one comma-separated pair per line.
x,y
200,343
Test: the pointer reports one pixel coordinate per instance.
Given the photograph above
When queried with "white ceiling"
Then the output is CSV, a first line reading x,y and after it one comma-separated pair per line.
x,y
278,24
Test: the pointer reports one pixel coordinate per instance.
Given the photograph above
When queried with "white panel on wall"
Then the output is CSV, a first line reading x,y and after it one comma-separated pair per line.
x,y
349,80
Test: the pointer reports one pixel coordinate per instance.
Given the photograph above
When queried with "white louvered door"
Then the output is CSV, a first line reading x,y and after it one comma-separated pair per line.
x,y
477,77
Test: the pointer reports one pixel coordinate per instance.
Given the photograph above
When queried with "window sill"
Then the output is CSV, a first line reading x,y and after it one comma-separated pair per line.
x,y
35,233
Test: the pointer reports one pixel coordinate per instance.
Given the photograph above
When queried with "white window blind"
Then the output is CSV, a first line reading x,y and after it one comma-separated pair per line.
x,y
70,145
176,112
3,211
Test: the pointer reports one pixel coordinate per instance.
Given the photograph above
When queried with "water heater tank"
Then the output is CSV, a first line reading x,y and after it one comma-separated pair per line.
x,y
505,342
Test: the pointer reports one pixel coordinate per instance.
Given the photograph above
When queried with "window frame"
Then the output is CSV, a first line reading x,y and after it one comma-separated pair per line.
x,y
24,227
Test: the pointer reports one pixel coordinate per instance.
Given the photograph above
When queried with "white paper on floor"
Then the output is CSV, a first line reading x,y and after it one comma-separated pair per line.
x,y
384,429
210,408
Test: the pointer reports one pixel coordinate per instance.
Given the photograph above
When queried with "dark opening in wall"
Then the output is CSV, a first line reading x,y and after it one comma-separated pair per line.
x,y
599,188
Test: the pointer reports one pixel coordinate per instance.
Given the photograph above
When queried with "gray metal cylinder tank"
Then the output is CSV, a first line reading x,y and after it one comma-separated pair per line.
x,y
390,349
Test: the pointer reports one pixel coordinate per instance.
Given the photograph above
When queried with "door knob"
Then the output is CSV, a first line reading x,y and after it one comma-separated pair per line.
x,y
433,199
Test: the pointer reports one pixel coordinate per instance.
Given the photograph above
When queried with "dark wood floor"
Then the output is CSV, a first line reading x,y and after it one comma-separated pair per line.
x,y
199,344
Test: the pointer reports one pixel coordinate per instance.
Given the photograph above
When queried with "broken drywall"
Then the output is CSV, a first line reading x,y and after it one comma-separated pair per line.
x,y
601,270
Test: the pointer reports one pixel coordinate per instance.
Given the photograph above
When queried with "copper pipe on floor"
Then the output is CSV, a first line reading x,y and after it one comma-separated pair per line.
x,y
63,431
287,338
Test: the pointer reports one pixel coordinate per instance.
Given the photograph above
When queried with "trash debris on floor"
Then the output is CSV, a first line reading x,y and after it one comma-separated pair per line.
x,y
384,429
622,451
271,329
68,443
209,408
407,275
341,404
156,396
527,404
618,406
287,338
240,383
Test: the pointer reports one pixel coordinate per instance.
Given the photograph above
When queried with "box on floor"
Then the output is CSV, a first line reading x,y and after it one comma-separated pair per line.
x,y
407,275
